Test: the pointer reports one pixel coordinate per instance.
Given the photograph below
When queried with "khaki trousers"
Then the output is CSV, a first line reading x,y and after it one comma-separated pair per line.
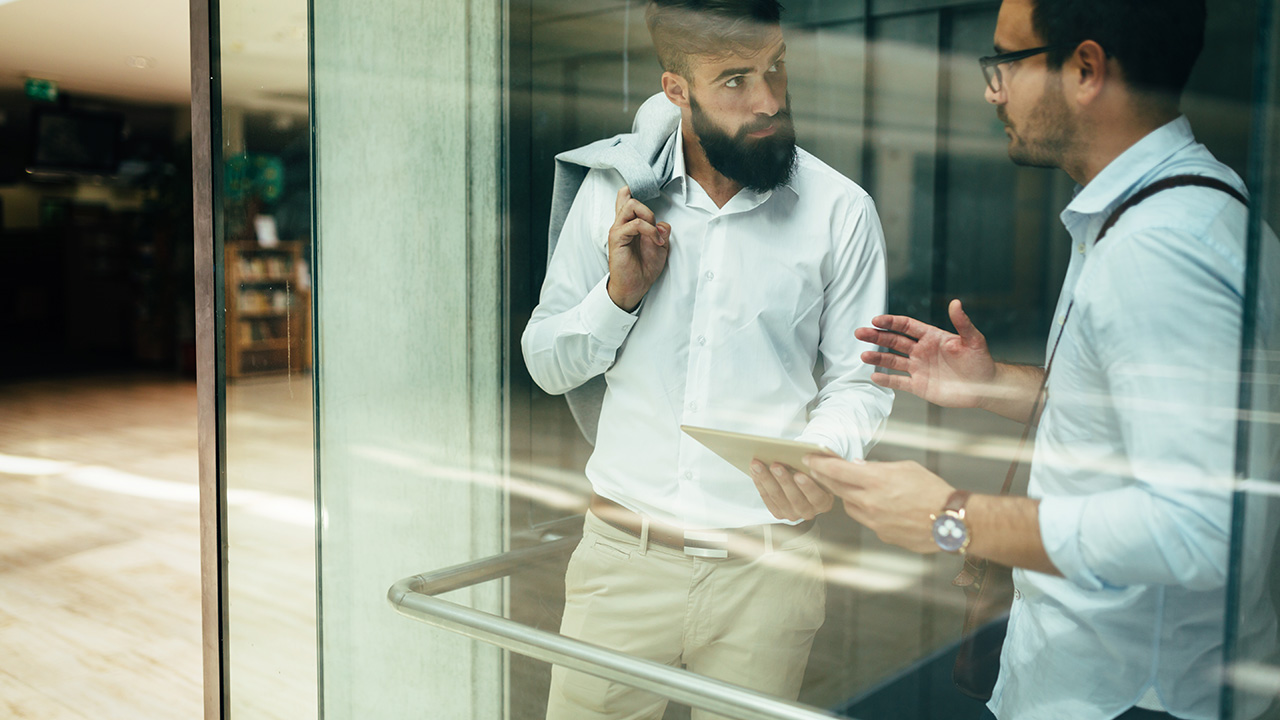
x,y
749,621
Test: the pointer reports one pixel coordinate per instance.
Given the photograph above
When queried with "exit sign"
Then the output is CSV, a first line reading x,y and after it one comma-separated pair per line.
x,y
46,90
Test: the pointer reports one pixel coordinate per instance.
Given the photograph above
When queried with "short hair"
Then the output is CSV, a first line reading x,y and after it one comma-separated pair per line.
x,y
681,28
1156,42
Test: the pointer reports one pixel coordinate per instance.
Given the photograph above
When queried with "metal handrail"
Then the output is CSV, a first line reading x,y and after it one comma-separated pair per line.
x,y
415,597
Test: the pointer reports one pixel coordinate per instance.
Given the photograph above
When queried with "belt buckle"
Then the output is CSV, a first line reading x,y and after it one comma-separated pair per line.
x,y
708,545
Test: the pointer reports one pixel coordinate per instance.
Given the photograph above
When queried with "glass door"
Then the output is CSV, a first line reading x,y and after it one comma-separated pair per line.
x,y
398,500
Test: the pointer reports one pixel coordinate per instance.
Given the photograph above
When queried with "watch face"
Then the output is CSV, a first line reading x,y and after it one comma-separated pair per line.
x,y
949,532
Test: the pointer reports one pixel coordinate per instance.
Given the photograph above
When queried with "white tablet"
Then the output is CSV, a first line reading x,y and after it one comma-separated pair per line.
x,y
739,449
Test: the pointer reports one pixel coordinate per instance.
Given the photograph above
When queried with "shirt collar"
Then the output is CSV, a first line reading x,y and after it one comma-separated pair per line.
x,y
679,173
1120,176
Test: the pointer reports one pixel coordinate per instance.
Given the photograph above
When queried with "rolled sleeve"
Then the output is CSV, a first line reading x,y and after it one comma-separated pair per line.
x,y
1143,496
1145,534
1061,519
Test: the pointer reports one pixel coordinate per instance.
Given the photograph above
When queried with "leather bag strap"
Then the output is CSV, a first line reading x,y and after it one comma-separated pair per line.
x,y
974,570
1169,183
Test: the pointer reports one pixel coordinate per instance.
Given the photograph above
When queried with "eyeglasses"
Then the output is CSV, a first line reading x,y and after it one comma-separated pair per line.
x,y
991,64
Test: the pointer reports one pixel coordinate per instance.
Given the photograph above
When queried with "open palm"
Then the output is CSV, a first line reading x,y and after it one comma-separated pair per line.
x,y
947,369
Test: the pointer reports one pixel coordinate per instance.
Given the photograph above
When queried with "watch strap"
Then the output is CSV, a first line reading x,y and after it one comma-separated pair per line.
x,y
956,501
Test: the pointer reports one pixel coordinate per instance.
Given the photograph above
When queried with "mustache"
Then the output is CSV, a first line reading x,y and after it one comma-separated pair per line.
x,y
781,118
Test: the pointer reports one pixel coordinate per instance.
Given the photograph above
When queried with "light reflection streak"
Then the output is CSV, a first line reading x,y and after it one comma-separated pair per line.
x,y
280,508
868,571
1257,678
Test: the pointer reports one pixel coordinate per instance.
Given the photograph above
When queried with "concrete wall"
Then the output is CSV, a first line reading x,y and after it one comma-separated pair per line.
x,y
407,109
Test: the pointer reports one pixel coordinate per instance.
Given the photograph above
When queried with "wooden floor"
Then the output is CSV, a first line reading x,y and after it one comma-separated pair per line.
x,y
99,556
99,549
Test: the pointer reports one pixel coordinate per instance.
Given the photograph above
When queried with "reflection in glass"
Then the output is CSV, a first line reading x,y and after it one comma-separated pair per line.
x,y
1253,654
264,245
960,221
437,128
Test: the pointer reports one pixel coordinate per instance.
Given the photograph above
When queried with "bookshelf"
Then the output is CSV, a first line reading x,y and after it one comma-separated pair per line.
x,y
268,309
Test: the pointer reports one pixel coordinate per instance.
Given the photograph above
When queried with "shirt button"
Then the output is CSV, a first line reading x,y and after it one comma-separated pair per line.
x,y
1062,320
688,475
710,275
702,340
693,406
1017,594
1080,248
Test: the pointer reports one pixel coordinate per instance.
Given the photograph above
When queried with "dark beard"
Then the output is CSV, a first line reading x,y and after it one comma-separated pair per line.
x,y
759,164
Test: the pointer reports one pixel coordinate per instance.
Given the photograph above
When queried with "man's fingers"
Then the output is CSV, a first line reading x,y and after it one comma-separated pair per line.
x,y
872,335
893,341
624,194
897,343
640,210
964,326
902,324
886,360
770,492
836,473
641,228
893,382
818,497
629,208
796,499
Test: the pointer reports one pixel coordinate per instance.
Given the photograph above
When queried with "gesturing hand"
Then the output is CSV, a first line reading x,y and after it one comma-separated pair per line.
x,y
944,368
637,251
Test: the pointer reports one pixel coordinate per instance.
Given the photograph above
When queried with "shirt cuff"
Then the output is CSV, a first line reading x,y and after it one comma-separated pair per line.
x,y
1061,518
603,319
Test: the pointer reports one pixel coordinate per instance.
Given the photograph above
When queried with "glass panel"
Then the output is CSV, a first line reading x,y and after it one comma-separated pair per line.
x,y
1254,671
410,395
263,230
437,132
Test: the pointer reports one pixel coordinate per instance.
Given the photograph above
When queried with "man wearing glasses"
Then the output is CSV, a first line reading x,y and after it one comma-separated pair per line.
x,y
1120,547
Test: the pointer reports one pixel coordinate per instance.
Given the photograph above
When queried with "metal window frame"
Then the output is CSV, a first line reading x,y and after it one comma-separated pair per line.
x,y
210,393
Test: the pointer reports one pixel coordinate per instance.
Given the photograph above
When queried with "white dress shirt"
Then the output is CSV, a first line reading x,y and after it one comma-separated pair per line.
x,y
748,328
1134,455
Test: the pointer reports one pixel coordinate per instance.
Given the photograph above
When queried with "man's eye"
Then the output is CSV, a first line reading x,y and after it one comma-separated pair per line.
x,y
734,82
777,66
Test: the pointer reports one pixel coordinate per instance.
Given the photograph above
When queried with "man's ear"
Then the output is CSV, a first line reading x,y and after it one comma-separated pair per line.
x,y
1089,71
676,89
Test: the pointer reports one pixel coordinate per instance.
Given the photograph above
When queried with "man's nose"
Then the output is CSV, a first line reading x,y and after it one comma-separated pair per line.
x,y
993,97
765,101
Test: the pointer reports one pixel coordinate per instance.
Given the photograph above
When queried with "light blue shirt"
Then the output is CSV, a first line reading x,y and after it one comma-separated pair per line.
x,y
1134,455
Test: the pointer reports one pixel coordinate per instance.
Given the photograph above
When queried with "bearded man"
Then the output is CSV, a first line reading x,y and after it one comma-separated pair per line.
x,y
710,304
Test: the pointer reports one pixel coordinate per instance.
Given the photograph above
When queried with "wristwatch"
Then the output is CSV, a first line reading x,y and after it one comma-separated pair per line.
x,y
950,531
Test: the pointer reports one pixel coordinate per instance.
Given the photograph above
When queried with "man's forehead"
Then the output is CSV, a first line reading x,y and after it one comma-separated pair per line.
x,y
1014,30
755,56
